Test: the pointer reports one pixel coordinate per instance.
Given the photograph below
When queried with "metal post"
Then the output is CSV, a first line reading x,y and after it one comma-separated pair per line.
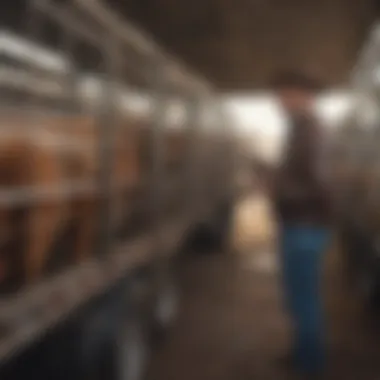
x,y
230,156
108,122
157,170
218,157
34,31
156,136
203,167
70,79
191,177
140,42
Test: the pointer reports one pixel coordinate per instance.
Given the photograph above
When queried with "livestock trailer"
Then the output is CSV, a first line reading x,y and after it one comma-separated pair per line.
x,y
112,157
359,205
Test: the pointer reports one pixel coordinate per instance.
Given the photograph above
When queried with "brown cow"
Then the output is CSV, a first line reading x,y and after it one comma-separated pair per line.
x,y
58,151
85,165
24,164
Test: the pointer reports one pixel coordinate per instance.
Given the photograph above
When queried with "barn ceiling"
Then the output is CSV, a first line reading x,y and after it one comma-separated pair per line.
x,y
240,44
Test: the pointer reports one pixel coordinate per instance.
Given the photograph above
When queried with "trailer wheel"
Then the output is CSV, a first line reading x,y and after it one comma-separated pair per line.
x,y
369,280
369,290
351,247
124,355
221,227
165,308
116,339
131,351
213,236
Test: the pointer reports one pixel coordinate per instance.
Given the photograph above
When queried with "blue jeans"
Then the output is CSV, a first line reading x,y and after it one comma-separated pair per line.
x,y
302,255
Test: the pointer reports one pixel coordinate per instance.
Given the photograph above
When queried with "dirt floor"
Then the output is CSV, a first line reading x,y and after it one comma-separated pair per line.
x,y
232,326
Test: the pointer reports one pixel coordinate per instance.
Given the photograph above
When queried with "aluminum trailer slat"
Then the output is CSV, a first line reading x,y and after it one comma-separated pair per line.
x,y
141,42
26,316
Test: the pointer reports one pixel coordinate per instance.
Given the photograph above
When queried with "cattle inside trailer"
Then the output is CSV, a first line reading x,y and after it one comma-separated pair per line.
x,y
112,157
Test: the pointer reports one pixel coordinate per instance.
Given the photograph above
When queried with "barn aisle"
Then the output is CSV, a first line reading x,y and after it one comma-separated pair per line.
x,y
232,326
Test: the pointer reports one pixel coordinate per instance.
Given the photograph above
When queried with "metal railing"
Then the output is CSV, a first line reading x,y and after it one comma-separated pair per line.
x,y
130,62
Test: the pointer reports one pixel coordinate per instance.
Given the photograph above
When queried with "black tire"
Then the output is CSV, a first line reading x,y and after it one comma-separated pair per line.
x,y
165,307
368,286
213,236
222,227
116,340
362,266
131,351
357,250
352,247
369,280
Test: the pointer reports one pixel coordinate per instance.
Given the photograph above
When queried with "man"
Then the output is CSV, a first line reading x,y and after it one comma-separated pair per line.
x,y
303,208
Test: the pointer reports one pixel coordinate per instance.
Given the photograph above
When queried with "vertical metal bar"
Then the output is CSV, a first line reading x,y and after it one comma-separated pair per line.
x,y
34,28
156,136
228,151
108,122
70,79
191,177
215,157
157,176
204,162
224,153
